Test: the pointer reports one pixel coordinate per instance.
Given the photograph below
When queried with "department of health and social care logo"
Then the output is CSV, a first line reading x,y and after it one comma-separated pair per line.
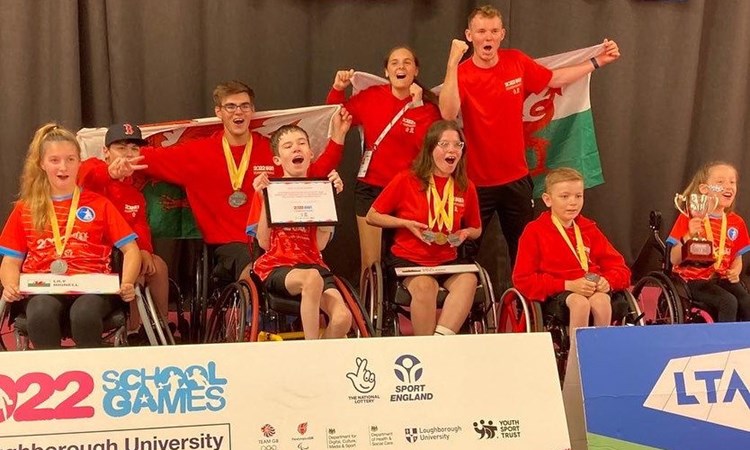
x,y
163,390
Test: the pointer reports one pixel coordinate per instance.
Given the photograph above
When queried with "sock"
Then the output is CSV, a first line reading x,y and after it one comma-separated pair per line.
x,y
443,331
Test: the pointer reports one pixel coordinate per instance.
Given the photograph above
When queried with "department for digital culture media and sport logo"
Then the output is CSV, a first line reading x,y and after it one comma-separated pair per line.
x,y
408,370
497,429
163,390
711,388
363,381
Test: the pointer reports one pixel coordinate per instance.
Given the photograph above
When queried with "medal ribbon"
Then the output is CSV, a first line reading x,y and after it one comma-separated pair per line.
x,y
579,251
718,253
237,174
61,241
441,212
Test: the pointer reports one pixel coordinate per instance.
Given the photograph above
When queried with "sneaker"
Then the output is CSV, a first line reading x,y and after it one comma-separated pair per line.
x,y
137,338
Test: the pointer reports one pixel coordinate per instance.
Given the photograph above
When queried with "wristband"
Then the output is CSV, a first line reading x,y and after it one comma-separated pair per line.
x,y
594,63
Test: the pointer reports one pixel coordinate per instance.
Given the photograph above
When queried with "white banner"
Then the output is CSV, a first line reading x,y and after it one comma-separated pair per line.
x,y
463,392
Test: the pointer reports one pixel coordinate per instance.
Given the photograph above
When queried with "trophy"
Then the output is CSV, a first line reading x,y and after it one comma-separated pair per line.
x,y
697,250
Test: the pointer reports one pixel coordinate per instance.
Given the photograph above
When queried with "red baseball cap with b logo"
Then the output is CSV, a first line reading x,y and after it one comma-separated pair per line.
x,y
124,132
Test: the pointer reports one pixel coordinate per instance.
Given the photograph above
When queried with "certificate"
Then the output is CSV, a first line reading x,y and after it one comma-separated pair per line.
x,y
300,201
89,283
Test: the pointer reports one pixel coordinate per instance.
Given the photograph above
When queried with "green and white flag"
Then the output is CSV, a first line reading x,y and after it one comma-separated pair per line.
x,y
559,126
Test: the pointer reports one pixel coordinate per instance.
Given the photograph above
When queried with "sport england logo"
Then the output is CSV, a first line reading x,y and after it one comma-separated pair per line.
x,y
712,388
85,214
408,370
167,390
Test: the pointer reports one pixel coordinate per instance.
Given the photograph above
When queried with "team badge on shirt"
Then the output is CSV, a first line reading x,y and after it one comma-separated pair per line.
x,y
409,125
733,233
85,214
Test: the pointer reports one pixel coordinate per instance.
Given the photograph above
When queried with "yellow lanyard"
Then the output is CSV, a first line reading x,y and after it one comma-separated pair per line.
x,y
440,207
718,253
61,241
237,174
579,251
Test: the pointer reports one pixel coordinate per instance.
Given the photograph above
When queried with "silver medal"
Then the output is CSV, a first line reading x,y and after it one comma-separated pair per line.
x,y
237,199
58,267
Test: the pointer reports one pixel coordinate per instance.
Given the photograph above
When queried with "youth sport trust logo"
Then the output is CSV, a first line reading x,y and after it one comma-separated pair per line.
x,y
168,390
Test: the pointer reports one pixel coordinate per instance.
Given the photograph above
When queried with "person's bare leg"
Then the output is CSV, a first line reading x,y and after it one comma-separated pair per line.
x,y
423,290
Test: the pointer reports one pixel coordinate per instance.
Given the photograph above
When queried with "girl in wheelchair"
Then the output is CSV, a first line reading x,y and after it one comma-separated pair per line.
x,y
59,228
433,208
716,285
564,258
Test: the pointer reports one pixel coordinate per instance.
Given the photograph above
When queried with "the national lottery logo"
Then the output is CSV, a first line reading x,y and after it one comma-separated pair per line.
x,y
167,390
20,399
408,370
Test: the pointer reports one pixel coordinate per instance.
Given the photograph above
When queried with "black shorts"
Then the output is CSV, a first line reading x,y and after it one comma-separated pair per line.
x,y
556,306
276,281
229,260
364,196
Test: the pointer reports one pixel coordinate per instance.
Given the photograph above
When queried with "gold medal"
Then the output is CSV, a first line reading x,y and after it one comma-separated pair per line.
x,y
441,208
237,173
441,238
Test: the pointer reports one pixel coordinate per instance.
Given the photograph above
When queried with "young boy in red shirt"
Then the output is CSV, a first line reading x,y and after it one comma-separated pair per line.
x,y
563,257
292,264
123,143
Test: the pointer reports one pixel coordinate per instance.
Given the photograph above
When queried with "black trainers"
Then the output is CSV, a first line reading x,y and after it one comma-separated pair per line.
x,y
138,338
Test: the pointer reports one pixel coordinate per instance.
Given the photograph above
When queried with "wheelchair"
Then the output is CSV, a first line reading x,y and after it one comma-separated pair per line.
x,y
519,314
115,324
387,301
665,296
258,315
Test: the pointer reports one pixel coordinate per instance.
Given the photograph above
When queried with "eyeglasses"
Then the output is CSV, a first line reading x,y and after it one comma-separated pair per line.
x,y
446,144
231,107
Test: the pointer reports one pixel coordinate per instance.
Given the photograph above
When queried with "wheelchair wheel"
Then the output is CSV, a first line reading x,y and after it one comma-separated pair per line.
x,y
227,320
252,312
360,317
697,315
4,324
633,316
515,316
484,315
658,300
156,319
372,294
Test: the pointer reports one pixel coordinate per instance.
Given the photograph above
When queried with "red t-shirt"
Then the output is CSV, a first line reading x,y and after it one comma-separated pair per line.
x,y
124,194
98,226
492,109
373,109
737,244
289,246
545,261
200,168
404,197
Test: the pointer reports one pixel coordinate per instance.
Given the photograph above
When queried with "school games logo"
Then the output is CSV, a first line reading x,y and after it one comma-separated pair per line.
x,y
408,370
167,390
85,214
712,388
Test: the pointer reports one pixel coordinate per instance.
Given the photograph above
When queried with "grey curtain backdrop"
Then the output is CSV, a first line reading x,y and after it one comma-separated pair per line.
x,y
676,98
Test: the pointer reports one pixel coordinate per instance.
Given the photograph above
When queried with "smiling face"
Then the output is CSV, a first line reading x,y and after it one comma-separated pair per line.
x,y
121,149
722,182
485,34
294,153
235,113
401,68
447,153
565,200
60,161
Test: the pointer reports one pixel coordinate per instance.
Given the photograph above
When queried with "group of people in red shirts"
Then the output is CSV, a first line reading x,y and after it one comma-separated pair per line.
x,y
435,183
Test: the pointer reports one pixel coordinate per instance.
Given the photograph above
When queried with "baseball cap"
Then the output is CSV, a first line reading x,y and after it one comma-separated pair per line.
x,y
124,132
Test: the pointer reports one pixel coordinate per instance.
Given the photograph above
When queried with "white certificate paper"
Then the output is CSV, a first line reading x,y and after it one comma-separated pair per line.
x,y
48,283
300,201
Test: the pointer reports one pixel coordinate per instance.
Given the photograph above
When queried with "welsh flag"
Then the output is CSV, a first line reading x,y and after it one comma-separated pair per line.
x,y
168,211
559,126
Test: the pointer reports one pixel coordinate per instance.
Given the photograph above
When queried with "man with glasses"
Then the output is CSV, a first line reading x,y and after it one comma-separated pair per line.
x,y
217,172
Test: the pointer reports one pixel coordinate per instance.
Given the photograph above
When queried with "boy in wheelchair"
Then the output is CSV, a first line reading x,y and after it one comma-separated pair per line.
x,y
565,259
434,208
292,264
